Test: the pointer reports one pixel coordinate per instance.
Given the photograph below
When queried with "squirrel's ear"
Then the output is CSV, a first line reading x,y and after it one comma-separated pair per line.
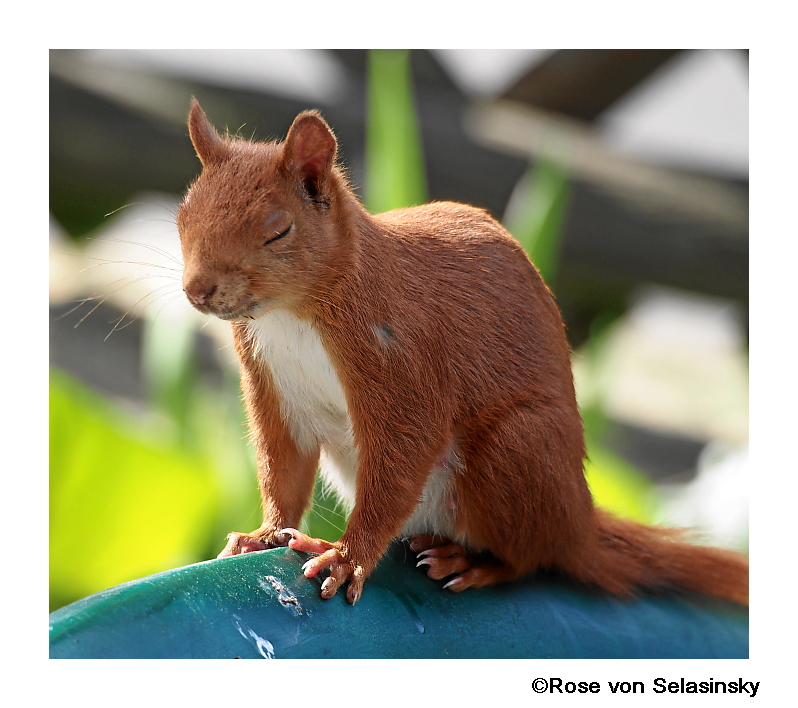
x,y
207,142
310,149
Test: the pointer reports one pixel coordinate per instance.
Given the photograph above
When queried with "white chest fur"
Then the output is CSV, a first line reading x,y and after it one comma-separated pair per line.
x,y
312,401
313,405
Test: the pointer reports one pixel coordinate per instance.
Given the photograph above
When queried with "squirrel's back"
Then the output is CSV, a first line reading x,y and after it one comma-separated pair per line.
x,y
455,287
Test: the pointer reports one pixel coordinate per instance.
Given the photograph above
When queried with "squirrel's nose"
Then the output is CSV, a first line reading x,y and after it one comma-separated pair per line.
x,y
198,292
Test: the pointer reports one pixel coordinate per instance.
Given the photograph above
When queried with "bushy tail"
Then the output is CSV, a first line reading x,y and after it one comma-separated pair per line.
x,y
631,557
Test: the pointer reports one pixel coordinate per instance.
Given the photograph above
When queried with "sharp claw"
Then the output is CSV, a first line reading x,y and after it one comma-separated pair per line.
x,y
283,536
329,587
453,583
425,561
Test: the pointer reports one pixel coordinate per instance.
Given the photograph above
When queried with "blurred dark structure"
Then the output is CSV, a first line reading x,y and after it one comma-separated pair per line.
x,y
582,83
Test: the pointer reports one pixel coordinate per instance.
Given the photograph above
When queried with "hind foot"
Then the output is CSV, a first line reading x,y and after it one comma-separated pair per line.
x,y
443,558
480,575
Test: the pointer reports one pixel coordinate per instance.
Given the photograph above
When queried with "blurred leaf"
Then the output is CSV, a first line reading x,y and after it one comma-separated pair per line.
x,y
590,362
207,422
535,215
122,503
394,154
170,369
618,486
220,435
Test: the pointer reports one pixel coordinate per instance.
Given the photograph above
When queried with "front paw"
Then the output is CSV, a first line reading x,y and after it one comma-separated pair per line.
x,y
238,543
333,556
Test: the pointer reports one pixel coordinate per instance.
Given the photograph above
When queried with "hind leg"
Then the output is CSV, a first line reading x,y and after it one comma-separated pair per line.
x,y
523,502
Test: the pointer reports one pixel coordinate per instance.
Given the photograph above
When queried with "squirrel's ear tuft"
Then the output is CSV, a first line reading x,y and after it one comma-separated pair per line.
x,y
207,142
310,149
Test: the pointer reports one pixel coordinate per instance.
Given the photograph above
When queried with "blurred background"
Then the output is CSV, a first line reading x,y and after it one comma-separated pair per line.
x,y
624,173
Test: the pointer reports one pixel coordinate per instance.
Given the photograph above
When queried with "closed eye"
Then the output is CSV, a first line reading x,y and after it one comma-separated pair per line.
x,y
278,236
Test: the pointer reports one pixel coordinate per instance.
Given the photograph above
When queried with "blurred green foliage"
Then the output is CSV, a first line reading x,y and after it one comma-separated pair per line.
x,y
131,496
125,500
395,175
536,212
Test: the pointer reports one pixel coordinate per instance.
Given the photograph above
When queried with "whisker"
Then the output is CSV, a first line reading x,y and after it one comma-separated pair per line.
x,y
126,281
119,326
324,494
317,505
83,319
156,204
103,261
176,295
156,249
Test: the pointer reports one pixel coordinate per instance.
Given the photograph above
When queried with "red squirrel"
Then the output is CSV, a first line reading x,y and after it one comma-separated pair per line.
x,y
418,359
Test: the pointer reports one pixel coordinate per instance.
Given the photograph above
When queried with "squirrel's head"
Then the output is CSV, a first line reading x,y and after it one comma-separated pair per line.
x,y
261,227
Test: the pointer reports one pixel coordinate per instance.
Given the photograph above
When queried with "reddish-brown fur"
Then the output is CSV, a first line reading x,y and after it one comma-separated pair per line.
x,y
442,333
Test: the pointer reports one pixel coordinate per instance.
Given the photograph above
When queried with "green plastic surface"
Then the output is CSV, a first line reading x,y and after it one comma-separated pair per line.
x,y
259,605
